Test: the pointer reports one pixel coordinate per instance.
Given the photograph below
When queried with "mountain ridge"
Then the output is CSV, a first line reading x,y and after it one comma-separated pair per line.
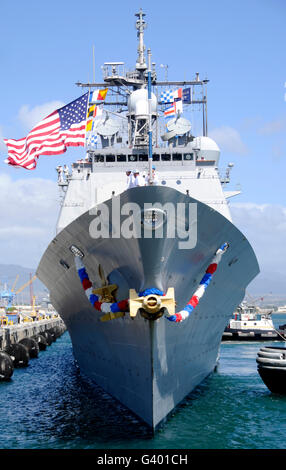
x,y
268,284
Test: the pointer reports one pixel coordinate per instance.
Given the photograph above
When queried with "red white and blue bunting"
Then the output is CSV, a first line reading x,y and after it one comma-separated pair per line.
x,y
205,281
123,305
105,307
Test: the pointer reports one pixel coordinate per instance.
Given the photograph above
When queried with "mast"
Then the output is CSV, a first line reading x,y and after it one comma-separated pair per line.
x,y
206,109
141,26
122,85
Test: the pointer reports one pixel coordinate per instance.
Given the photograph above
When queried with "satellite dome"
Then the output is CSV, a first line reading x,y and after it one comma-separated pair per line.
x,y
138,103
207,148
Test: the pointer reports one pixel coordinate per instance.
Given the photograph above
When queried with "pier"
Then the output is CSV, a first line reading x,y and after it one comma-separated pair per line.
x,y
12,334
21,342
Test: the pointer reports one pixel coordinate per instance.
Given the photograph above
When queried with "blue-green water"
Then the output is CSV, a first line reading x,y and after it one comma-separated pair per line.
x,y
48,405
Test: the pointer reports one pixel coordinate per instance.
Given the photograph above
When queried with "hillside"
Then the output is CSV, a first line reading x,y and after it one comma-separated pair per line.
x,y
270,285
8,274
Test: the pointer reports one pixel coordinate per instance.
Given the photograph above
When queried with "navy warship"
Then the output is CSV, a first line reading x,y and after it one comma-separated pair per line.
x,y
146,266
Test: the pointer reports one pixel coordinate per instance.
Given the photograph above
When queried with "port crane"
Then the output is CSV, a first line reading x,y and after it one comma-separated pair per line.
x,y
9,294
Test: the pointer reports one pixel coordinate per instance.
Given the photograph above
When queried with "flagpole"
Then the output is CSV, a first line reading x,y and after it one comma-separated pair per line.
x,y
150,117
86,115
206,108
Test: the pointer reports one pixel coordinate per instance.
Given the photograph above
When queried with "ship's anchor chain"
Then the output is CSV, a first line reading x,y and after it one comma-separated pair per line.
x,y
150,303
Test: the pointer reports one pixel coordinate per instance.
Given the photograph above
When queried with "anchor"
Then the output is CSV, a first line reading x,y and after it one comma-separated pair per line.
x,y
106,291
111,316
152,306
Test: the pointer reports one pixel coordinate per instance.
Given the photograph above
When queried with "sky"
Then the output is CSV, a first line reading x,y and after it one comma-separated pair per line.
x,y
46,47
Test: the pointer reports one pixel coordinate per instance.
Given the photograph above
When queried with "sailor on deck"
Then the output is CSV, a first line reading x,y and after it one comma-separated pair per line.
x,y
66,171
130,179
138,179
60,174
155,180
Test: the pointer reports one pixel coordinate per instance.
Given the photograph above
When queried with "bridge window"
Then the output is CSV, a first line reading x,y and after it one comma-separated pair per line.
x,y
166,157
110,158
132,158
188,156
177,157
156,157
121,158
143,158
98,158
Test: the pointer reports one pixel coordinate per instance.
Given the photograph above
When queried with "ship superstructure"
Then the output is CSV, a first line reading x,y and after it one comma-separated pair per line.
x,y
146,275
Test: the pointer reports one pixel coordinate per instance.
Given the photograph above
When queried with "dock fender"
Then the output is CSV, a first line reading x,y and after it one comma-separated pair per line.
x,y
31,345
6,366
19,354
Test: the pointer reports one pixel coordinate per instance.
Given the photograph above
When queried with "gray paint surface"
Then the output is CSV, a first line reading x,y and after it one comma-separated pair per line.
x,y
149,366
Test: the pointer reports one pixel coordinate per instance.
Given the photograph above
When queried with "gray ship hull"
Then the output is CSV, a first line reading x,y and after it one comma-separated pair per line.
x,y
149,366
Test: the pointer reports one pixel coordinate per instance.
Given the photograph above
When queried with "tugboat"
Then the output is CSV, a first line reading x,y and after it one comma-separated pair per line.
x,y
271,366
249,324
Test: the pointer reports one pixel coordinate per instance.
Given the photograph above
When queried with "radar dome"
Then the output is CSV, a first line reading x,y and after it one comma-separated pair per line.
x,y
207,148
138,103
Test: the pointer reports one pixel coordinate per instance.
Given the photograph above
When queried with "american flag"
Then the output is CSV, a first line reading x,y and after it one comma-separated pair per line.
x,y
63,128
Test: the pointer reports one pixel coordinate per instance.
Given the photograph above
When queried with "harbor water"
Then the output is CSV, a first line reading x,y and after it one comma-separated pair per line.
x,y
49,405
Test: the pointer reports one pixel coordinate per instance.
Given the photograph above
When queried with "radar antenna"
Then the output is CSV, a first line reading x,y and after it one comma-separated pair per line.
x,y
178,126
107,128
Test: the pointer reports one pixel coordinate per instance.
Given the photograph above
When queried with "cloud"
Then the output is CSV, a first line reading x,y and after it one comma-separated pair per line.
x,y
29,210
251,123
273,127
265,227
29,117
2,145
229,140
279,149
